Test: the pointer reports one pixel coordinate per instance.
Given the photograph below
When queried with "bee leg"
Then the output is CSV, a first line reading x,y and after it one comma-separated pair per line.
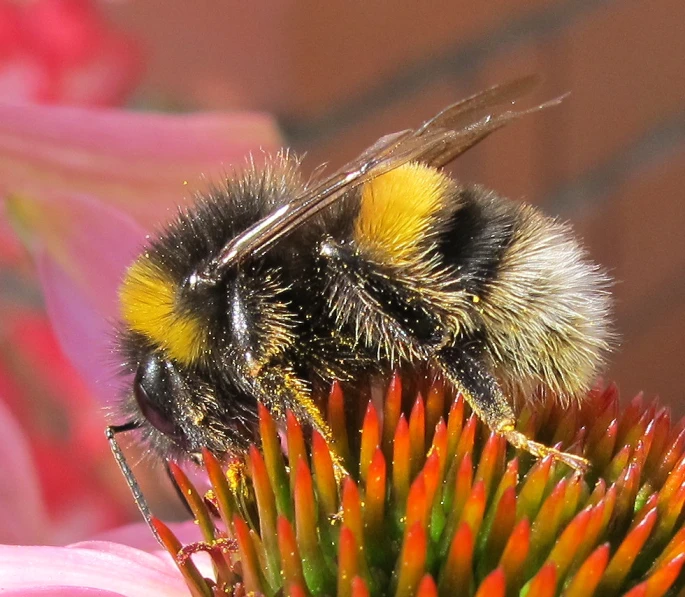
x,y
280,389
480,389
520,441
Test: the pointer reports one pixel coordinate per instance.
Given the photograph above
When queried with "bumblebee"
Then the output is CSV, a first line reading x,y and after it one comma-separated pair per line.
x,y
271,281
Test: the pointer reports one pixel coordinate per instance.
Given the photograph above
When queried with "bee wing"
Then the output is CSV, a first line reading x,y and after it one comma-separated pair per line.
x,y
385,155
436,142
469,110
473,133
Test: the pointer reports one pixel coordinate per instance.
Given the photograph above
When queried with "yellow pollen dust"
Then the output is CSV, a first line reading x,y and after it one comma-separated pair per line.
x,y
396,211
149,305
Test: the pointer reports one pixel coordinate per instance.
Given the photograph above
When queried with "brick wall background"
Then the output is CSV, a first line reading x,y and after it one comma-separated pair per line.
x,y
611,159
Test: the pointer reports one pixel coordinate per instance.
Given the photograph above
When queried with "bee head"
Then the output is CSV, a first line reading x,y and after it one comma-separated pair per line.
x,y
193,343
181,409
171,342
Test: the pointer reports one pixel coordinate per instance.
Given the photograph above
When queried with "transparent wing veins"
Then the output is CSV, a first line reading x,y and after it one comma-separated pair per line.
x,y
436,142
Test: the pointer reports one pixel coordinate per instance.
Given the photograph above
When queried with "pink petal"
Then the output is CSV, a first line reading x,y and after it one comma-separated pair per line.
x,y
60,592
138,535
42,390
81,183
82,249
143,163
22,514
182,532
61,31
107,78
11,250
91,241
24,79
82,330
10,29
117,569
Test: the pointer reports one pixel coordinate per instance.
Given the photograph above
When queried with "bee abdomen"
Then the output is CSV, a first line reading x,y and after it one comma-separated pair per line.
x,y
547,310
476,237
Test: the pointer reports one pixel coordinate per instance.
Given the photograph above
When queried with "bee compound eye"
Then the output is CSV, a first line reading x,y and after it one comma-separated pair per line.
x,y
152,412
152,390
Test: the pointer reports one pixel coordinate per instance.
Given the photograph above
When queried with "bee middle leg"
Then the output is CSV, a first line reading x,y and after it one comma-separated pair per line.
x,y
481,390
279,389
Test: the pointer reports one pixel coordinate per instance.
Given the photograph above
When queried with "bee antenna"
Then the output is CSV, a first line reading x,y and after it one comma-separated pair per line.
x,y
110,433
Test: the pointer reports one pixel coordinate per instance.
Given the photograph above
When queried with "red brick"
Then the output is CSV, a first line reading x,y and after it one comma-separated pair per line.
x,y
354,47
593,225
208,54
295,57
513,163
651,360
624,68
651,352
650,214
637,232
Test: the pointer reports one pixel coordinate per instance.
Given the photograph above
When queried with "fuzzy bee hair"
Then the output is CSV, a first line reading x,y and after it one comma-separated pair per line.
x,y
270,283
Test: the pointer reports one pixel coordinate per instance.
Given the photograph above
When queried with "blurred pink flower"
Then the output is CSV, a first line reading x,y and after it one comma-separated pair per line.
x,y
125,561
51,51
57,467
22,512
92,568
63,51
85,186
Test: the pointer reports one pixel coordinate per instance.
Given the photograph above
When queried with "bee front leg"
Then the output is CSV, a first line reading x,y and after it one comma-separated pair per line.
x,y
480,389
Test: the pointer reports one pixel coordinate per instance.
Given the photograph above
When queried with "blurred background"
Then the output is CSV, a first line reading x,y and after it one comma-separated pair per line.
x,y
338,75
611,158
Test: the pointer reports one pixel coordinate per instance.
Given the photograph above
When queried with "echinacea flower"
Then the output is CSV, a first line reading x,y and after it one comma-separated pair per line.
x,y
438,505
434,505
